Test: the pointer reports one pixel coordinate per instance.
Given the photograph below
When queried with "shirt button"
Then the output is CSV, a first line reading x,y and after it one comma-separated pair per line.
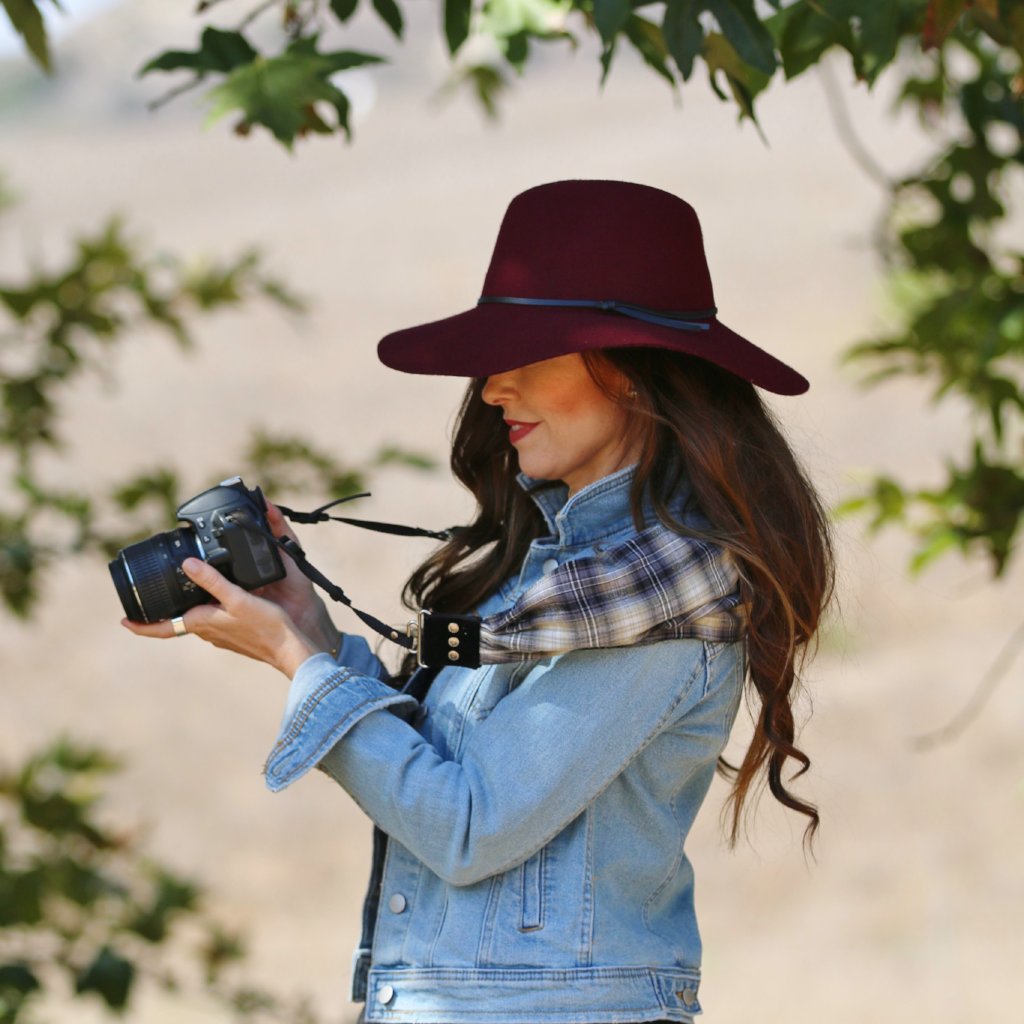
x,y
550,565
397,903
387,993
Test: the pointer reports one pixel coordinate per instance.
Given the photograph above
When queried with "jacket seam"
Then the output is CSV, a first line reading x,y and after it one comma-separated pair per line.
x,y
651,736
586,950
309,705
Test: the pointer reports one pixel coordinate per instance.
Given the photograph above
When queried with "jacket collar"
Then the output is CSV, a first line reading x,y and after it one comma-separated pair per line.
x,y
597,510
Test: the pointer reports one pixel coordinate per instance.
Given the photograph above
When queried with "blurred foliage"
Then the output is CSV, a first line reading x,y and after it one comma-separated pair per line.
x,y
958,63
741,45
948,242
296,91
85,912
57,326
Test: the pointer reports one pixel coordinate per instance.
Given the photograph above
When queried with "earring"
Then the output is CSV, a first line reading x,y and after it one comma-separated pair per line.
x,y
631,394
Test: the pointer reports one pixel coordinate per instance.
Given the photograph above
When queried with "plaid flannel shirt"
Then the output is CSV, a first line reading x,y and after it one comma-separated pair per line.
x,y
657,585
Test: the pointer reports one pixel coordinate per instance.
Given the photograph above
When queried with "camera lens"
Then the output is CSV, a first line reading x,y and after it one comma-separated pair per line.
x,y
149,580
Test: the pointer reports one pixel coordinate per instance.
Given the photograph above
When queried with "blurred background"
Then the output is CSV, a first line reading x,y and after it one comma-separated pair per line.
x,y
911,908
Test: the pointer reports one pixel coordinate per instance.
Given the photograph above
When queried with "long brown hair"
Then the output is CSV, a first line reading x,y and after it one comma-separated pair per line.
x,y
691,419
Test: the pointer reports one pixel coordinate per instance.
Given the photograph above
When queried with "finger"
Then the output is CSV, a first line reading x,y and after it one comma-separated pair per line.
x,y
278,523
158,630
274,516
218,586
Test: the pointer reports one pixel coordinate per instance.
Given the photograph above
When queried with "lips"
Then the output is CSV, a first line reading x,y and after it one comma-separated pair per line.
x,y
517,429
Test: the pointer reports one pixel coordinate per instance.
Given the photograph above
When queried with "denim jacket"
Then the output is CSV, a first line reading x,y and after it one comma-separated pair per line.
x,y
531,817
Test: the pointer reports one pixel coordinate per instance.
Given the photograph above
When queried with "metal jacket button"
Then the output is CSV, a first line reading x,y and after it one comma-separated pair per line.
x,y
550,565
387,993
397,903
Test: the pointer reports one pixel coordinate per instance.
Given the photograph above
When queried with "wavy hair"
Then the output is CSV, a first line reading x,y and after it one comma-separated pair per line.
x,y
691,419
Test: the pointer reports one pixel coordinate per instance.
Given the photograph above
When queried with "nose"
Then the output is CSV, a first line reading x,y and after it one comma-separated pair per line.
x,y
498,388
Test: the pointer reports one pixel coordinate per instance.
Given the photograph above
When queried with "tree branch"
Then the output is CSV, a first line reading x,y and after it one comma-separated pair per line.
x,y
845,130
174,93
256,12
982,693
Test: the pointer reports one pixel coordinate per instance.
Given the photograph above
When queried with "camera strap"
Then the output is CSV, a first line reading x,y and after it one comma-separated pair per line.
x,y
656,585
436,639
319,515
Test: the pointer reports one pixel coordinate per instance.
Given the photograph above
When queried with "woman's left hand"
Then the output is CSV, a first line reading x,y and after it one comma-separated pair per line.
x,y
239,621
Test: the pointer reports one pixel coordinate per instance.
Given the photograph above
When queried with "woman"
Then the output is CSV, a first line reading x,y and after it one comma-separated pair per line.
x,y
644,543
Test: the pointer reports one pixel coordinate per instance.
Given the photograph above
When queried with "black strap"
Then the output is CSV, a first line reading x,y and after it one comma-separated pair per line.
x,y
319,515
439,639
680,321
420,682
335,593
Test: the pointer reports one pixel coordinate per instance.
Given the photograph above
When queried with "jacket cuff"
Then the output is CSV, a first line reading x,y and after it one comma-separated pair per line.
x,y
355,653
324,703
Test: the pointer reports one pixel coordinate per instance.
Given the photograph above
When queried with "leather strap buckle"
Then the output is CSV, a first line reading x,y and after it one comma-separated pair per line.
x,y
441,640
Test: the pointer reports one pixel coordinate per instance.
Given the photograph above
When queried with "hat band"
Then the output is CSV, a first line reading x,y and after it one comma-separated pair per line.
x,y
663,318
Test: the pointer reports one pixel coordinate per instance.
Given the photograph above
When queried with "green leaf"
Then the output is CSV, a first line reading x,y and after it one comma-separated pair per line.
x,y
683,34
391,15
937,542
17,977
344,9
647,39
607,56
517,50
28,23
879,37
20,302
486,82
391,455
610,17
76,881
281,93
456,23
110,976
157,489
20,563
173,896
21,898
743,28
804,33
890,501
219,51
744,81
285,464
18,984
939,20
220,948
1003,25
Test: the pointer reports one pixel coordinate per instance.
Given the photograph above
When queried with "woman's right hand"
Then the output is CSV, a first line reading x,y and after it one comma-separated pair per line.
x,y
295,593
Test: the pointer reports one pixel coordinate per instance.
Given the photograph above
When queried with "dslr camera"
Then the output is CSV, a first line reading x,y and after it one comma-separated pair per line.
x,y
225,526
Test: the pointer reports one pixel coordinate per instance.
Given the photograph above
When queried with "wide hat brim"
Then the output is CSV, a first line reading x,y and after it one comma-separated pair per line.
x,y
493,338
565,253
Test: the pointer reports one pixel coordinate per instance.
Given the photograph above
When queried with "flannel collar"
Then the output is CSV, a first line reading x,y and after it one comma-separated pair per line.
x,y
649,586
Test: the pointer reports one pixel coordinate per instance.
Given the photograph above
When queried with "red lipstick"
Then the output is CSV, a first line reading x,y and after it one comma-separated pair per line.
x,y
517,429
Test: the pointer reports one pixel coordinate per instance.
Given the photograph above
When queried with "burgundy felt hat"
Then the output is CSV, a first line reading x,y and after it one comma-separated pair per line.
x,y
584,265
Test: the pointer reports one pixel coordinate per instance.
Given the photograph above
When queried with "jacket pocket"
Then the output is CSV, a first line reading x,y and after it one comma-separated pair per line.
x,y
532,892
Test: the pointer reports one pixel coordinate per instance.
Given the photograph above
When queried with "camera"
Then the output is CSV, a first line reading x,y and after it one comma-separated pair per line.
x,y
225,526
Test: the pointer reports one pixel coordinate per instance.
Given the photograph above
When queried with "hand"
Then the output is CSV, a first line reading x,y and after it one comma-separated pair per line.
x,y
295,593
240,621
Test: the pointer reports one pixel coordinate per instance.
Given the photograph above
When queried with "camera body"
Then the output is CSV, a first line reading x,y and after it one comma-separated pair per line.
x,y
225,526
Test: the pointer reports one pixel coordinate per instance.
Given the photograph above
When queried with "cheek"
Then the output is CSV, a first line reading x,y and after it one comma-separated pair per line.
x,y
596,425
